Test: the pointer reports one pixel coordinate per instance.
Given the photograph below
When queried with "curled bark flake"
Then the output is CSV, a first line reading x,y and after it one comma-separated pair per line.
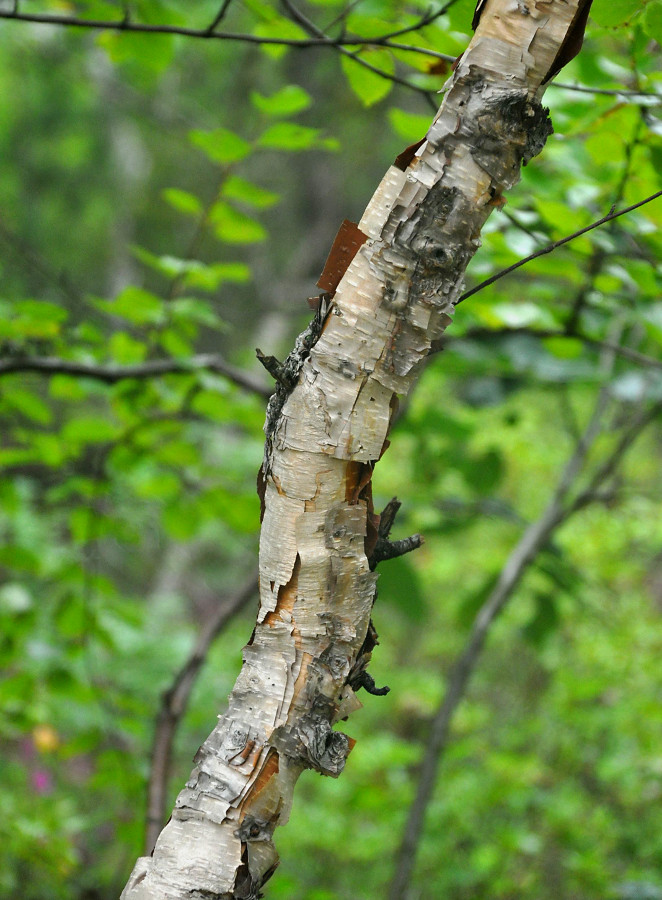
x,y
345,246
358,676
404,160
573,42
367,682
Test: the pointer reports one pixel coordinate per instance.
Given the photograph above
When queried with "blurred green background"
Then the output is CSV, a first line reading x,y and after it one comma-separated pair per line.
x,y
162,197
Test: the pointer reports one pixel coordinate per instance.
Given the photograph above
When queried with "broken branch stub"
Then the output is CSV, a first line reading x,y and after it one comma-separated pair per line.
x,y
327,426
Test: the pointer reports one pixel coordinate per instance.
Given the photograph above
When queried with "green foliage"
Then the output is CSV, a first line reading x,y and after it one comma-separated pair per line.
x,y
166,200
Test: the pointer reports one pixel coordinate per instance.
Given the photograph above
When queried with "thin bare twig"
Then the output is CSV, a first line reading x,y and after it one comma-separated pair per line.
x,y
608,92
220,15
174,702
608,469
548,248
209,32
110,374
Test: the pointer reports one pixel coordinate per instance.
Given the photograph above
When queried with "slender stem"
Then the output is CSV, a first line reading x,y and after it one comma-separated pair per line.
x,y
555,245
220,15
174,702
608,92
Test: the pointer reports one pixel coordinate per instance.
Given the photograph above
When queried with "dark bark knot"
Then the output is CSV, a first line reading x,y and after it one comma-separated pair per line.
x,y
508,132
313,743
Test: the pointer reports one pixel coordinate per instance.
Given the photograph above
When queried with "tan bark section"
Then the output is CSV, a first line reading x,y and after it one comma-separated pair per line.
x,y
316,587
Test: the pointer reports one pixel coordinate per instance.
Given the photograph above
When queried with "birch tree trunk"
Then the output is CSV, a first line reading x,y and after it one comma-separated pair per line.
x,y
396,278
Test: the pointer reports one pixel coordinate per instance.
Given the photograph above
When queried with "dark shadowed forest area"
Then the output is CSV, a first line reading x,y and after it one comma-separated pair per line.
x,y
173,177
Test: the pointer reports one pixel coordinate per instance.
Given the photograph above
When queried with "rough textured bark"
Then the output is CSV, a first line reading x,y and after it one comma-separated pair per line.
x,y
327,426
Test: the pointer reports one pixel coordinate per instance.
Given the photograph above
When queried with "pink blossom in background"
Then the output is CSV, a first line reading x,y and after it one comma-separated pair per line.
x,y
42,781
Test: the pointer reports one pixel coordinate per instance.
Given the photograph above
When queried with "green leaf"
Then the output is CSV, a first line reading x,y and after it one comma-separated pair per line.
x,y
279,29
221,145
544,620
234,227
182,201
125,349
145,56
154,484
652,21
564,347
400,585
289,136
194,309
369,86
29,404
196,274
212,405
135,305
25,319
615,12
409,126
89,430
175,342
236,188
288,101
483,473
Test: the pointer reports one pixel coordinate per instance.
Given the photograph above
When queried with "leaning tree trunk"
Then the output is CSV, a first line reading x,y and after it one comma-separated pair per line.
x,y
389,289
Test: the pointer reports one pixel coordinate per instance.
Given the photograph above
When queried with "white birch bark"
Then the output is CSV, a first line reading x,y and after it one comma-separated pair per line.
x,y
324,437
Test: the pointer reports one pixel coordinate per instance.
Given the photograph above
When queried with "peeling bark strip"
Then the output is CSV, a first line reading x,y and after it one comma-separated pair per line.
x,y
327,425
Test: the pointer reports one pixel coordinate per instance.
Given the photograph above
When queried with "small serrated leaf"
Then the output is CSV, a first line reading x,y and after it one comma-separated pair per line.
x,y
236,188
288,101
183,201
221,145
289,136
369,86
234,227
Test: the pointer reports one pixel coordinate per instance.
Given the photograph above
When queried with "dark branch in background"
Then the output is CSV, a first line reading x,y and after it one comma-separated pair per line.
x,y
555,245
210,33
174,702
51,365
536,537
